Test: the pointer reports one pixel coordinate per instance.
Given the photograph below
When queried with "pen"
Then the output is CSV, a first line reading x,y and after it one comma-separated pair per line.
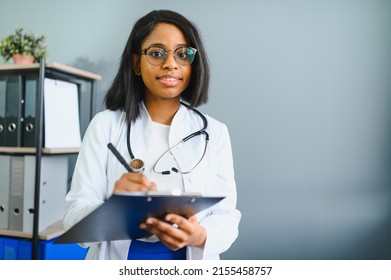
x,y
119,157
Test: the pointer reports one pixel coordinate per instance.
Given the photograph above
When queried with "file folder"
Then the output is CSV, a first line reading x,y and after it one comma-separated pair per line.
x,y
53,188
30,96
5,185
3,87
120,216
13,110
16,193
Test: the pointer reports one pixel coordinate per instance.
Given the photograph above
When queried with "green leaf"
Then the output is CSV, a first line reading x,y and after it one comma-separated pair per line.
x,y
26,43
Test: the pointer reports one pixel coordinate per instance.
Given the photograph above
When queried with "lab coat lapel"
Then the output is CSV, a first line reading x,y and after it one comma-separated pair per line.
x,y
140,134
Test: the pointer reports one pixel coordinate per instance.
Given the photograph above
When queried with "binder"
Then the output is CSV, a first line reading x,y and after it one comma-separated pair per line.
x,y
5,185
30,95
13,110
16,193
3,86
53,186
119,217
28,192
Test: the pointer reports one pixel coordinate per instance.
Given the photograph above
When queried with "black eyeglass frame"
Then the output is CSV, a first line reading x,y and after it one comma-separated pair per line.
x,y
165,53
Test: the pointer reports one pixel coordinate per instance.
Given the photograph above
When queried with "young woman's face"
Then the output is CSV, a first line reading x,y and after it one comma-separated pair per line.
x,y
170,79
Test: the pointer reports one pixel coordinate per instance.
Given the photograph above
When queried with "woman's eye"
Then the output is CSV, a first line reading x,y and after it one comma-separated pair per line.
x,y
182,55
156,54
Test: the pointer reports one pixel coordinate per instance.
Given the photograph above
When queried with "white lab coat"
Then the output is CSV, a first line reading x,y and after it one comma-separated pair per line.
x,y
97,170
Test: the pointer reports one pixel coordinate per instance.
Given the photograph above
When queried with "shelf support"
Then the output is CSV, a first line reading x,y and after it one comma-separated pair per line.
x,y
39,144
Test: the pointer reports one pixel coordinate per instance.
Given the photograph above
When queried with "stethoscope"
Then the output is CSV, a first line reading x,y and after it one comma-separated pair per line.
x,y
137,165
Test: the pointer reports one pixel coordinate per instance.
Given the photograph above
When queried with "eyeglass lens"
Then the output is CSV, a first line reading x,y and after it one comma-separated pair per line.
x,y
157,56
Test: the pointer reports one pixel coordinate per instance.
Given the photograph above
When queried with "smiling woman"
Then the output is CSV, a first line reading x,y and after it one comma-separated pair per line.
x,y
169,73
151,114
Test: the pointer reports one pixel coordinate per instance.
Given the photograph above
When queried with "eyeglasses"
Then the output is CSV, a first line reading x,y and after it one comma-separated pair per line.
x,y
157,56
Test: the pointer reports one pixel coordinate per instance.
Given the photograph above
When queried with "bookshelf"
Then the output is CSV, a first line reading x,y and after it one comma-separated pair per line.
x,y
86,82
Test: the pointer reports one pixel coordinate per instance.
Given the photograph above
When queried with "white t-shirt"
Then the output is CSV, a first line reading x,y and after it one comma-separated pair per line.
x,y
158,148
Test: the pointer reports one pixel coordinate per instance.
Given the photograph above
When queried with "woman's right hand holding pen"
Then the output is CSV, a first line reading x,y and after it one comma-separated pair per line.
x,y
131,181
136,182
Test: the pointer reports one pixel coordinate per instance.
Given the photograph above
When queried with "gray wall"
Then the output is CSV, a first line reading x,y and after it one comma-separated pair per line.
x,y
304,87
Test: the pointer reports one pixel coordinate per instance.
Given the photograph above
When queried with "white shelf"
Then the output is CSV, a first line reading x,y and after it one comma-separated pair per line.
x,y
31,150
49,233
53,65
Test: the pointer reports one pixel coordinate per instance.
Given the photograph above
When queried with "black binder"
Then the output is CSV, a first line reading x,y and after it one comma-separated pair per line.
x,y
13,110
30,95
120,216
3,90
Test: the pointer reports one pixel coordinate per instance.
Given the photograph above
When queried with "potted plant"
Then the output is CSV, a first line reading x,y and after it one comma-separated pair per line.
x,y
22,44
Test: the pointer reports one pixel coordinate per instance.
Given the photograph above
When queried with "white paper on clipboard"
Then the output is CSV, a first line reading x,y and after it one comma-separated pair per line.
x,y
61,114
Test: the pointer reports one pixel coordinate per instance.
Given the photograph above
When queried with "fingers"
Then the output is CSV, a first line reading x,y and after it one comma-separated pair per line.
x,y
172,236
176,231
162,229
180,222
195,233
134,182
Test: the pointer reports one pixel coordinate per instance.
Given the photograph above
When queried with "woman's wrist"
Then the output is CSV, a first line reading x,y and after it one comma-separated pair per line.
x,y
201,238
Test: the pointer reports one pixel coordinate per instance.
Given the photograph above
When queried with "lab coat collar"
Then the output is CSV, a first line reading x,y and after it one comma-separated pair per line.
x,y
179,115
181,125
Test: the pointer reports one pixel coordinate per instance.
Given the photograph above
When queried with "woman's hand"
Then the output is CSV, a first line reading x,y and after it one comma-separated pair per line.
x,y
176,231
134,182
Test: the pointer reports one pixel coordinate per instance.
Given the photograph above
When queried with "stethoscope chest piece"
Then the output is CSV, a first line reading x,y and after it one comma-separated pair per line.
x,y
137,165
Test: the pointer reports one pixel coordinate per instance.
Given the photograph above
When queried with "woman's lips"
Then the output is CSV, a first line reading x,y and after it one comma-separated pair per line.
x,y
169,80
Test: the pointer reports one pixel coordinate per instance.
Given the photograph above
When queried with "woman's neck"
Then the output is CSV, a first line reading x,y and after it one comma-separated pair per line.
x,y
162,111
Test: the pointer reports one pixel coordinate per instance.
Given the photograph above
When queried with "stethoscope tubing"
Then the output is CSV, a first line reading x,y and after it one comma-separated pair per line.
x,y
198,132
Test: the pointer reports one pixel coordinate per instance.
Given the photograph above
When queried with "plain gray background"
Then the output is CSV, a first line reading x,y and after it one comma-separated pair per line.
x,y
304,87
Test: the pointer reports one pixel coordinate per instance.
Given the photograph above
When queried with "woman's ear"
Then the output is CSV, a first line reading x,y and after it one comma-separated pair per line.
x,y
136,64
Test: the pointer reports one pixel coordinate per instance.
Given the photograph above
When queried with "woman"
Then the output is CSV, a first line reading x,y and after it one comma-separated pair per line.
x,y
163,75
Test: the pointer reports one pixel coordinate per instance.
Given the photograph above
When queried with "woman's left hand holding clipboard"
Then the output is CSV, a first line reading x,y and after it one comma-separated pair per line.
x,y
176,231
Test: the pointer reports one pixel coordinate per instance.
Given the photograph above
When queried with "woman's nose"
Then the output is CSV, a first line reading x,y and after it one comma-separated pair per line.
x,y
170,62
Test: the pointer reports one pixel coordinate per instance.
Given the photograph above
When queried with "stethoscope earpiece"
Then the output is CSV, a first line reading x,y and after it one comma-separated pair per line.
x,y
174,169
168,172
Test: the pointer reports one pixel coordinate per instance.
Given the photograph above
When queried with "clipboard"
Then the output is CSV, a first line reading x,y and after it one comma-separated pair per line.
x,y
120,216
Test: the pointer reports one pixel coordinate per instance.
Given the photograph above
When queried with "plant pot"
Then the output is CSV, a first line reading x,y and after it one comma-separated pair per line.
x,y
22,59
